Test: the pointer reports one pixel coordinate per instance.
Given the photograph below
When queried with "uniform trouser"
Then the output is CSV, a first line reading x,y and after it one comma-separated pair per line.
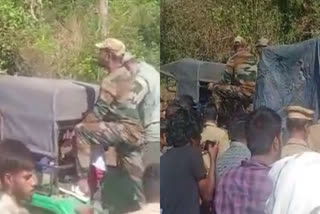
x,y
151,148
224,93
128,139
151,153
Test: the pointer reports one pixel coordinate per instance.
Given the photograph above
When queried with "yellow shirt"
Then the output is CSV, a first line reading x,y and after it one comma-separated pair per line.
x,y
294,146
212,132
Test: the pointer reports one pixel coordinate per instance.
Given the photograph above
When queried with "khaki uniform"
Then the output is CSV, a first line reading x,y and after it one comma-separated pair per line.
x,y
314,137
213,133
294,146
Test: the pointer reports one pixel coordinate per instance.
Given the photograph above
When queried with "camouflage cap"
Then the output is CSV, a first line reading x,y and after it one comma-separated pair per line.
x,y
239,39
114,45
263,42
127,56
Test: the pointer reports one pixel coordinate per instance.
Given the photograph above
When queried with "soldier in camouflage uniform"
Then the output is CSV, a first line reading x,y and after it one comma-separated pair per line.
x,y
115,120
237,87
262,43
149,109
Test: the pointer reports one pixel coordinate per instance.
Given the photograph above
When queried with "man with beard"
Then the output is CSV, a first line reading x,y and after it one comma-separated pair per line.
x,y
115,121
17,176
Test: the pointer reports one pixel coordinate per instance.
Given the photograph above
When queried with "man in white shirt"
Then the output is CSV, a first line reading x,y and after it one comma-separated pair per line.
x,y
17,176
295,185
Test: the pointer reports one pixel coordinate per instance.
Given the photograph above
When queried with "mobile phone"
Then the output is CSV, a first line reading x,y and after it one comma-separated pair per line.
x,y
209,142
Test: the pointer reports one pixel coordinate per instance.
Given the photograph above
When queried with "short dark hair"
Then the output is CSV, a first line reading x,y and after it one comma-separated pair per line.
x,y
237,131
14,157
163,125
295,123
172,108
151,182
182,127
262,126
186,101
210,113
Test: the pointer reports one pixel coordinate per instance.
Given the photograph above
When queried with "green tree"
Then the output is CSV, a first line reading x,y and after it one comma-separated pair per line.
x,y
205,29
59,41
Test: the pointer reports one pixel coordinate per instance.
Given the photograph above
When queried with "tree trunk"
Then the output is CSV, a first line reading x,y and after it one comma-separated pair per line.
x,y
103,11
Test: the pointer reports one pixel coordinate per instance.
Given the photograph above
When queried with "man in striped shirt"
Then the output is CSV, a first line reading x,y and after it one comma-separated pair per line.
x,y
238,150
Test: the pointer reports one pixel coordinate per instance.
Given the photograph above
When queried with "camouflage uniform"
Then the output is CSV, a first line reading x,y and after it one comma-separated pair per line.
x,y
150,112
238,83
115,122
149,108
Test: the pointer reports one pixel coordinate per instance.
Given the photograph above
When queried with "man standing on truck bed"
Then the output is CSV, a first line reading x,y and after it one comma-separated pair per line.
x,y
116,120
238,81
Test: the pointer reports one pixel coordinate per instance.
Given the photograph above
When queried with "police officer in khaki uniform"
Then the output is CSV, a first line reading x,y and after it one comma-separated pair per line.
x,y
298,122
211,132
314,137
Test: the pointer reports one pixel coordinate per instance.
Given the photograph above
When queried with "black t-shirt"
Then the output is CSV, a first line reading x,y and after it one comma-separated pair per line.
x,y
181,170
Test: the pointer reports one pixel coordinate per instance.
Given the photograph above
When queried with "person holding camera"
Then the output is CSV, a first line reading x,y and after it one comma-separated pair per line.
x,y
183,175
211,132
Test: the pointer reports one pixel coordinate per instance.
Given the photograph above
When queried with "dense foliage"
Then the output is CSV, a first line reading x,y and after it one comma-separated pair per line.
x,y
59,41
204,29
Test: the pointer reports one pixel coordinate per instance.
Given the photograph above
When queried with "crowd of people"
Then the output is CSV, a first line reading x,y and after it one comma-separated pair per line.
x,y
248,168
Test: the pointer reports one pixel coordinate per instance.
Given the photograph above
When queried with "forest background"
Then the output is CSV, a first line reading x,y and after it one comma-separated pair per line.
x,y
205,29
55,38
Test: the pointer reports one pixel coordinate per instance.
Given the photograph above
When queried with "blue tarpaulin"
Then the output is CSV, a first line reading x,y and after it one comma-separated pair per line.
x,y
289,75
